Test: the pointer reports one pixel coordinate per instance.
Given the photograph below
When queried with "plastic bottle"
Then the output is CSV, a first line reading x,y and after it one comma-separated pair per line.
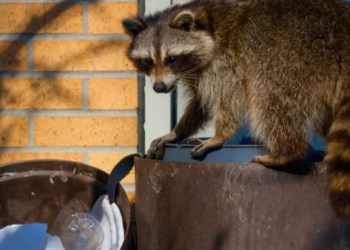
x,y
81,232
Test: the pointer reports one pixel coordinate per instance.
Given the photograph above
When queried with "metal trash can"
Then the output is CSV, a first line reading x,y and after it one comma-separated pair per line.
x,y
182,204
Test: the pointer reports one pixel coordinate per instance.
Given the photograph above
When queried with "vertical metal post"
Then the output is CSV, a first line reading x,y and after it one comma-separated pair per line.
x,y
173,109
141,97
173,104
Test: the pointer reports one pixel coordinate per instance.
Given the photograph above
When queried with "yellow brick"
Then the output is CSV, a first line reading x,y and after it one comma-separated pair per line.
x,y
132,197
107,161
41,18
102,55
113,94
13,55
40,93
15,157
13,131
106,18
85,131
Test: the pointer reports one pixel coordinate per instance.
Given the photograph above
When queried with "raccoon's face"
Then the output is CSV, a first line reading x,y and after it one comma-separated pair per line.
x,y
170,50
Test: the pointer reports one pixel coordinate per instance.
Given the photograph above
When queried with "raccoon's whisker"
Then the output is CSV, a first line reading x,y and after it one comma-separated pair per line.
x,y
148,85
190,78
184,74
186,83
187,74
189,71
194,86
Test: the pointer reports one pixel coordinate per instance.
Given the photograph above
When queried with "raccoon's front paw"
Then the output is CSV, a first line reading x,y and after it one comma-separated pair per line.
x,y
160,143
205,146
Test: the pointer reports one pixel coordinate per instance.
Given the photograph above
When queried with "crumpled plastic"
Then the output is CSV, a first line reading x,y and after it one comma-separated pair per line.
x,y
111,221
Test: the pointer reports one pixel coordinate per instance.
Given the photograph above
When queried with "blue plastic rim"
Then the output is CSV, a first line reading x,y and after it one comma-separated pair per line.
x,y
240,149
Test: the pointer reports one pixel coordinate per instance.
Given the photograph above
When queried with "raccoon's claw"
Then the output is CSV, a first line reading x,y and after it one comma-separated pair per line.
x,y
193,141
160,143
205,146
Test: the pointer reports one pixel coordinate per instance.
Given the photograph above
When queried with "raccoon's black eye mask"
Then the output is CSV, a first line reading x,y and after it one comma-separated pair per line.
x,y
171,60
148,62
143,65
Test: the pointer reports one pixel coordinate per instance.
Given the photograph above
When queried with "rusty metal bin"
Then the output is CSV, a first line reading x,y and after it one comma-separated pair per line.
x,y
235,206
37,191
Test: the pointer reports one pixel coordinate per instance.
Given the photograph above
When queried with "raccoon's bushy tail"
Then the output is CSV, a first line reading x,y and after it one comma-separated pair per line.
x,y
338,160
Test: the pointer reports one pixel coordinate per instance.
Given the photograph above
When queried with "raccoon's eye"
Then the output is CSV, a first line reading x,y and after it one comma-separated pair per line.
x,y
148,62
171,60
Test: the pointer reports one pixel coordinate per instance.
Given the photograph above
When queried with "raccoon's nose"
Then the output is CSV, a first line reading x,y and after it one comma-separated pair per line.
x,y
159,87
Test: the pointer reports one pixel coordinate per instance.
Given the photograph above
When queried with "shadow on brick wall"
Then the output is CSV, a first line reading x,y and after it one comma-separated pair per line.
x,y
10,58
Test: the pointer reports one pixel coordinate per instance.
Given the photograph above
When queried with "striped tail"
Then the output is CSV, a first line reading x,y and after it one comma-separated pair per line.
x,y
338,160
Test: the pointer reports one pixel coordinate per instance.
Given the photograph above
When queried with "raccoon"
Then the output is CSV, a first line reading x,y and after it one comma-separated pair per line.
x,y
282,65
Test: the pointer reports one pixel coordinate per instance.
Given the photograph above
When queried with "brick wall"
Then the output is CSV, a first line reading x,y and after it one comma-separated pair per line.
x,y
67,91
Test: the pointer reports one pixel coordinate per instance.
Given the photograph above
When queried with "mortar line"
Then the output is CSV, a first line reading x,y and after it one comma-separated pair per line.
x,y
85,92
38,149
86,18
82,36
66,1
30,56
69,113
31,140
66,74
86,158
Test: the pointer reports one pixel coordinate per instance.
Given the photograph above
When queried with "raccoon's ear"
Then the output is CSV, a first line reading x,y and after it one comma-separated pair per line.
x,y
185,20
133,26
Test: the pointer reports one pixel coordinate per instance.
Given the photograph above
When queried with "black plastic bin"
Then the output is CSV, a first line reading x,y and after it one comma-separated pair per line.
x,y
37,191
